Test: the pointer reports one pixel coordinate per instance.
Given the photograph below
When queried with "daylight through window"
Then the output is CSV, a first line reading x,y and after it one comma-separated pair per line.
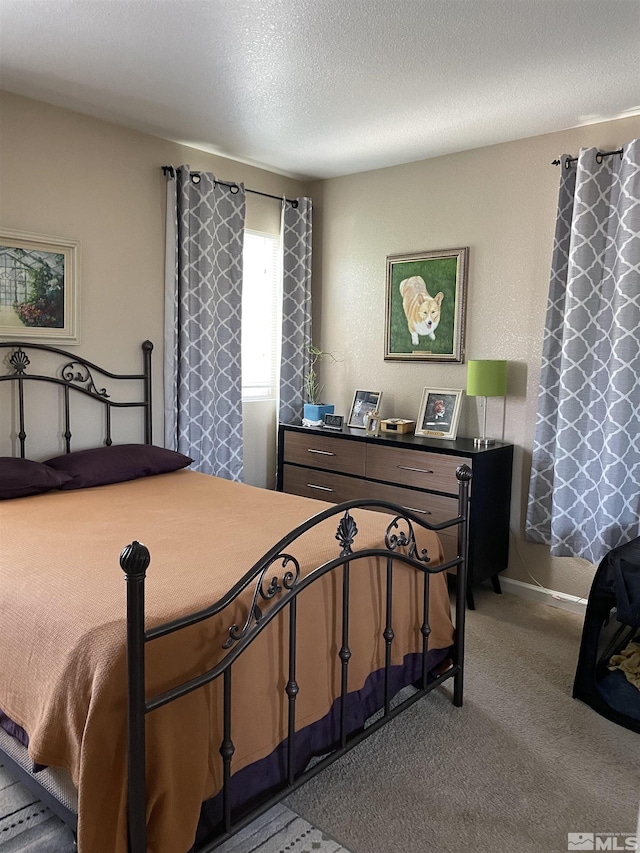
x,y
260,317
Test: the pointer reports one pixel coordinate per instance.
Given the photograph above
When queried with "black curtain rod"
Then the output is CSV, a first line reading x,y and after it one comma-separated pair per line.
x,y
599,157
234,188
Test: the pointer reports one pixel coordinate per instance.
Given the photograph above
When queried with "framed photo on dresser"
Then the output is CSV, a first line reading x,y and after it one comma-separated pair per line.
x,y
439,412
364,402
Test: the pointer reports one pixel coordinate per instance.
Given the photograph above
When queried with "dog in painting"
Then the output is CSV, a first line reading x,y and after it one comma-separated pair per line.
x,y
421,310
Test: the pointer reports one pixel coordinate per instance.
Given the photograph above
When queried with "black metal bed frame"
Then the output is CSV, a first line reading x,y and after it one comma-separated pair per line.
x,y
273,585
76,374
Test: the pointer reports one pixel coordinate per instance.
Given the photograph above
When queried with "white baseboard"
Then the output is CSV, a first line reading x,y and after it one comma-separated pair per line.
x,y
545,596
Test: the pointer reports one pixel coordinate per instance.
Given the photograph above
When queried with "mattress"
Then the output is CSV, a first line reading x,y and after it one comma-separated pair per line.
x,y
62,608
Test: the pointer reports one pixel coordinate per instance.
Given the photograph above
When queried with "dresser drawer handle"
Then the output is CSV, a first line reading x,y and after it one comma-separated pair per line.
x,y
417,470
415,509
321,452
320,488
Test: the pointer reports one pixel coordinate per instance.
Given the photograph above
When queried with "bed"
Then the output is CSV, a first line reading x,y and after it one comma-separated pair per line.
x,y
257,637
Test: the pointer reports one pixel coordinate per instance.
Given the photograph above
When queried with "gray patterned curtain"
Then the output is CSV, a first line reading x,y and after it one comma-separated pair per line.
x,y
296,308
584,496
203,302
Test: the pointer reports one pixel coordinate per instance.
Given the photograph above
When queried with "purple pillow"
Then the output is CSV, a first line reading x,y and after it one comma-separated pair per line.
x,y
115,464
22,477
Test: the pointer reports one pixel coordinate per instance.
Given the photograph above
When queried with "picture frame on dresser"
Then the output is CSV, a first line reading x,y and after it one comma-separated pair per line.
x,y
426,305
364,403
39,288
439,412
373,424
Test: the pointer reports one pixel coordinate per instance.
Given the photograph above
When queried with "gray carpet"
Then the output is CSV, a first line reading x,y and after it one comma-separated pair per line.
x,y
515,770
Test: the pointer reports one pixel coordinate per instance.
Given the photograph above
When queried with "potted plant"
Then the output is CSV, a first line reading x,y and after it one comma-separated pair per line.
x,y
314,408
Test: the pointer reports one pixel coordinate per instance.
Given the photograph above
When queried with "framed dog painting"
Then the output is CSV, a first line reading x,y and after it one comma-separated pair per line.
x,y
425,310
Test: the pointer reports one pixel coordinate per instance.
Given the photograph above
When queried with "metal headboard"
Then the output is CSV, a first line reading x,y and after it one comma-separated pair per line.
x,y
72,373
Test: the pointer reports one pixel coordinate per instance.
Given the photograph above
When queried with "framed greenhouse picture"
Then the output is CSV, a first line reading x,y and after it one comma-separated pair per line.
x,y
39,300
425,306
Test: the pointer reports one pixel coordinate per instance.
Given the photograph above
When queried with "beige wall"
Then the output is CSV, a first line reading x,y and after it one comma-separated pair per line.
x,y
499,201
65,174
70,175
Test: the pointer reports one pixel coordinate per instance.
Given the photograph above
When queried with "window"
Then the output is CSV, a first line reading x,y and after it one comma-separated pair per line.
x,y
260,315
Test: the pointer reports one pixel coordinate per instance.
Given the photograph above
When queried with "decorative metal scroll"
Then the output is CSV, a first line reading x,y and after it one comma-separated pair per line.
x,y
276,585
405,539
73,373
77,373
19,360
347,532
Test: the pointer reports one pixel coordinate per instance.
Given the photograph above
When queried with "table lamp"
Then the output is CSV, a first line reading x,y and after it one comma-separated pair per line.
x,y
486,378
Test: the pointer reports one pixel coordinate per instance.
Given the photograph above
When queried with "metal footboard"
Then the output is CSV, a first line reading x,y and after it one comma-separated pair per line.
x,y
276,582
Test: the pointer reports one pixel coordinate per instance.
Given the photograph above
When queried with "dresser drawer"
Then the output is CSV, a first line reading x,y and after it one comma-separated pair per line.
x,y
322,485
433,508
417,468
325,451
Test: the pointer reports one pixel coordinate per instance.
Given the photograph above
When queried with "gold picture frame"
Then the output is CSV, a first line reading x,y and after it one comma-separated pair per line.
x,y
426,305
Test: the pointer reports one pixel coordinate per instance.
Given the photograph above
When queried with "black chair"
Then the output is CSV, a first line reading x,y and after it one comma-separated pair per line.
x,y
612,621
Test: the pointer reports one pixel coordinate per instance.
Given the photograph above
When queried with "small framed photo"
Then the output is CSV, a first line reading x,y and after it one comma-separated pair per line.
x,y
439,412
364,402
373,424
39,299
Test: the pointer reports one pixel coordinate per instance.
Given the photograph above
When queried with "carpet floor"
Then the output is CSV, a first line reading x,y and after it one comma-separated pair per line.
x,y
515,770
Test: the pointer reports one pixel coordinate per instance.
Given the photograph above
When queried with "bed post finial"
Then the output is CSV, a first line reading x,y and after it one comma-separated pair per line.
x,y
135,559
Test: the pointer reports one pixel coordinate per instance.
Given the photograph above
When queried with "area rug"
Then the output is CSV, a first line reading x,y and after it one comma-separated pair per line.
x,y
27,826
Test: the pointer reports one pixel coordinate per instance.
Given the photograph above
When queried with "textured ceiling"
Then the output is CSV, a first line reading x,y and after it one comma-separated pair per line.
x,y
319,88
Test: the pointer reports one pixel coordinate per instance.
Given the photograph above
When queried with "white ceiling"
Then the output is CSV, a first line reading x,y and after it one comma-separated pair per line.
x,y
319,88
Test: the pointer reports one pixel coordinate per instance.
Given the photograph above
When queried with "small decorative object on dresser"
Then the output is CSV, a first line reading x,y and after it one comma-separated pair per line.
x,y
364,402
332,421
372,426
439,412
314,409
397,425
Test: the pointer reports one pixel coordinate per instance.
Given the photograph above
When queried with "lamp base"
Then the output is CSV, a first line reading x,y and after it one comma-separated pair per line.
x,y
483,442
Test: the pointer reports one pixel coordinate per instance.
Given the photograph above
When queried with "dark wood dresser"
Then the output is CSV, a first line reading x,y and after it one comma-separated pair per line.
x,y
415,472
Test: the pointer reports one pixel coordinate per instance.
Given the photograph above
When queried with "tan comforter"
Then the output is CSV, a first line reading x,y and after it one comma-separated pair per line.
x,y
62,618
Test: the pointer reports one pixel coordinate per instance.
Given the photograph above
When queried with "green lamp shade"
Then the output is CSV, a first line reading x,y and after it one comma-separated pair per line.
x,y
486,378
